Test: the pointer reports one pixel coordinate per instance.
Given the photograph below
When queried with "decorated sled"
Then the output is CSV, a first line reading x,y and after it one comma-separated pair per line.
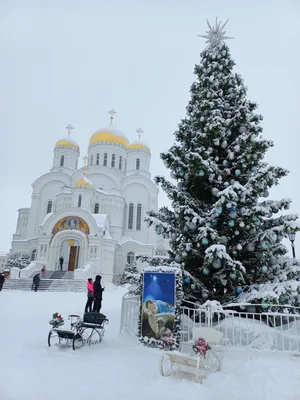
x,y
87,330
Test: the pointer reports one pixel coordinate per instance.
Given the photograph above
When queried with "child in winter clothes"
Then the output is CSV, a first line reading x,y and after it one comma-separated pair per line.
x,y
90,295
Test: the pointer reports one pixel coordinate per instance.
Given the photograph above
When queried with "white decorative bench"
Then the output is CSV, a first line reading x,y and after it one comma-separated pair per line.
x,y
186,357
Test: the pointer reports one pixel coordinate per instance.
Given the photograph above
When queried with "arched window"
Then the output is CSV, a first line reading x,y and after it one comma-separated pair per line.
x,y
79,200
49,207
33,255
97,159
120,162
113,160
105,160
96,208
138,217
130,216
62,161
92,159
130,258
137,163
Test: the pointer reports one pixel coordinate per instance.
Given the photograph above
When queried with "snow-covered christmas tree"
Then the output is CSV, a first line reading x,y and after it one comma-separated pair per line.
x,y
223,229
18,260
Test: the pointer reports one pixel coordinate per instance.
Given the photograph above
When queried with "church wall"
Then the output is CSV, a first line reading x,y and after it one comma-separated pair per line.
x,y
144,158
22,223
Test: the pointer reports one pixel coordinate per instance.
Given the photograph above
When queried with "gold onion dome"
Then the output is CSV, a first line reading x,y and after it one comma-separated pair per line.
x,y
109,135
67,141
138,144
84,182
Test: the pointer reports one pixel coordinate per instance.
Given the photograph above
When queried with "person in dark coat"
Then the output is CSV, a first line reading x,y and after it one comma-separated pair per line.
x,y
98,290
90,295
2,279
35,282
61,262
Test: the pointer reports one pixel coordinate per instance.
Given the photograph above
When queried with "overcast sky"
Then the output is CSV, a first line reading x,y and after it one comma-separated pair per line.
x,y
71,61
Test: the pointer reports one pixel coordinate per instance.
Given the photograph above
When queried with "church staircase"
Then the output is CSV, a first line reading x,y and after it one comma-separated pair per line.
x,y
53,282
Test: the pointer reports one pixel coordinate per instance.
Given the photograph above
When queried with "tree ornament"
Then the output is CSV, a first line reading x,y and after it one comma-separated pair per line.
x,y
231,156
217,158
239,247
224,163
275,211
215,191
264,270
219,211
237,172
228,133
237,233
210,150
242,129
237,148
232,182
242,224
250,247
217,264
256,222
227,106
204,241
282,299
253,169
273,260
192,143
232,214
180,185
232,275
266,304
264,246
228,205
238,290
223,239
234,123
178,259
192,226
214,223
181,173
224,145
230,223
204,295
188,248
266,193
187,280
235,253
205,271
201,173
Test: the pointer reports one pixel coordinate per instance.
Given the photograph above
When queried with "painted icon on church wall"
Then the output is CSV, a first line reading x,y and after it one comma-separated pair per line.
x,y
71,223
158,304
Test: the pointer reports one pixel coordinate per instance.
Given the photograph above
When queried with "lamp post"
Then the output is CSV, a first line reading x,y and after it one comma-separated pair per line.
x,y
292,236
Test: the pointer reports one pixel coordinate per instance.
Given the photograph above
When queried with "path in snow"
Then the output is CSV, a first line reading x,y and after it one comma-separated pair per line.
x,y
120,367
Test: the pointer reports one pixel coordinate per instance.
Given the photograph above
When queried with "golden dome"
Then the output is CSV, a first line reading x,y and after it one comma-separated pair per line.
x,y
67,142
109,135
84,182
138,144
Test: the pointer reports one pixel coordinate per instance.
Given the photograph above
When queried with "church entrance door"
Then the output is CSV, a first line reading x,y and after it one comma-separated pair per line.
x,y
72,258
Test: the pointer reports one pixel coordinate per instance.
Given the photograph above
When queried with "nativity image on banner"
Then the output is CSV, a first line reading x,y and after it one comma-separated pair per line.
x,y
158,309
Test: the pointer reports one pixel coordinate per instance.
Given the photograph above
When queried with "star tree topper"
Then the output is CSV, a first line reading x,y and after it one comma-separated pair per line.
x,y
216,33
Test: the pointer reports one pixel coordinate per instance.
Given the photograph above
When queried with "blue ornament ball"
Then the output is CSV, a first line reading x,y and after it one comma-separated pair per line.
x,y
264,270
219,211
201,173
254,169
205,241
181,173
238,290
237,172
187,280
233,208
205,271
230,223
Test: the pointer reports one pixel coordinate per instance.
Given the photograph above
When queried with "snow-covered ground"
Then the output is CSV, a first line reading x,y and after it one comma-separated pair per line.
x,y
119,367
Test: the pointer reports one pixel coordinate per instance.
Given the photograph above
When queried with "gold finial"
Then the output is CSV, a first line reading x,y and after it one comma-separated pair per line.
x,y
85,161
69,129
139,132
112,114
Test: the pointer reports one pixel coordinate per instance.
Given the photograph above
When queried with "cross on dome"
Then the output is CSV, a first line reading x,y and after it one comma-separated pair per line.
x,y
69,129
215,34
139,132
112,114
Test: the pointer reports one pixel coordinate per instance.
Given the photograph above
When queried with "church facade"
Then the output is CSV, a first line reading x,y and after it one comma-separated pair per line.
x,y
94,214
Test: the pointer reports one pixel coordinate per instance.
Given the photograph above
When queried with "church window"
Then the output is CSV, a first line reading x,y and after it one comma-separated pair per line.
x,y
33,255
96,208
79,200
92,159
113,160
62,161
130,216
49,207
137,163
105,160
120,162
138,217
130,258
97,159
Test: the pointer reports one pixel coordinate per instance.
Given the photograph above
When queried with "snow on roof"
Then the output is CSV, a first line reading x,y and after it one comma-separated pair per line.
x,y
47,216
126,239
100,219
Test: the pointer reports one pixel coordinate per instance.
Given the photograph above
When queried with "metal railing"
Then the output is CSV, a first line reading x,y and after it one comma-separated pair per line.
x,y
266,331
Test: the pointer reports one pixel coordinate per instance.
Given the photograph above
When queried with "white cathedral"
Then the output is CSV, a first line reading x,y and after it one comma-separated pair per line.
x,y
92,215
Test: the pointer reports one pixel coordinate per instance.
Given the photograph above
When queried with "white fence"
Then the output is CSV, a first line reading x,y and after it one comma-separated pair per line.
x,y
271,331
